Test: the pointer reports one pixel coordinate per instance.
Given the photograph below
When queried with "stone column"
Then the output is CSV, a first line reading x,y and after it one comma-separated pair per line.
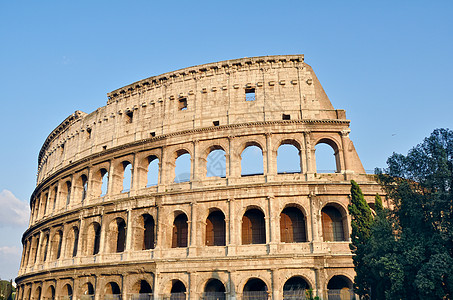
x,y
310,156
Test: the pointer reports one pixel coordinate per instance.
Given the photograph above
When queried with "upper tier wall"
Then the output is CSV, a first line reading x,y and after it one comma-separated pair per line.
x,y
192,98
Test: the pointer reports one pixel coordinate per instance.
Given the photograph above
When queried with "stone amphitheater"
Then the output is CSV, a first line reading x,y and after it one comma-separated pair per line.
x,y
148,197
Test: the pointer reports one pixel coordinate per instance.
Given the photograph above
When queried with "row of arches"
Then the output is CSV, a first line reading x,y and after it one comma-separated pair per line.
x,y
214,289
292,227
107,178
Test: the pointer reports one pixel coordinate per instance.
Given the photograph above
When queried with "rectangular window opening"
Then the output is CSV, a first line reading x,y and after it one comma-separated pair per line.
x,y
89,133
182,104
250,94
153,134
216,123
129,117
286,117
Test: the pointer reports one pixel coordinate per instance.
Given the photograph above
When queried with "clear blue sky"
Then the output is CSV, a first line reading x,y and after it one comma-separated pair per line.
x,y
387,63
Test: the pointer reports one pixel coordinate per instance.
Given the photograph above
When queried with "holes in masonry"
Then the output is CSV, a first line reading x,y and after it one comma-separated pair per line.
x,y
89,133
216,123
104,147
153,134
182,105
286,117
249,94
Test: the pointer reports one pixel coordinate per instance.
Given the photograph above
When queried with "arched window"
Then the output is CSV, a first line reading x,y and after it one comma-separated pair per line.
x,y
333,227
148,238
292,226
60,243
55,193
180,231
182,167
50,294
255,289
215,229
142,291
84,183
326,156
252,161
76,241
105,181
38,293
67,291
214,290
36,250
288,159
295,287
253,227
178,290
340,287
46,247
68,192
88,290
216,164
112,291
45,199
153,171
117,235
93,239
127,177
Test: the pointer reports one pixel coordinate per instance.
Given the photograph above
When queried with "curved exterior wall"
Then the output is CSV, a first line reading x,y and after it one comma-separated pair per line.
x,y
192,111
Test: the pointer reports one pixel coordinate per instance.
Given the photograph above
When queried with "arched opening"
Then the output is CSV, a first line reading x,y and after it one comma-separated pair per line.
x,y
88,292
340,287
148,236
253,227
45,199
112,291
216,164
93,239
288,159
214,290
55,193
38,293
68,192
50,293
325,163
35,259
46,247
127,177
215,229
28,294
142,291
67,292
294,288
180,231
117,235
252,161
182,167
178,290
57,242
333,225
84,185
104,182
153,171
292,226
255,289
75,245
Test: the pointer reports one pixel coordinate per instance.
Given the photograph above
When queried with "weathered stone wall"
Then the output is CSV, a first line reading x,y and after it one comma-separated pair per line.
x,y
195,110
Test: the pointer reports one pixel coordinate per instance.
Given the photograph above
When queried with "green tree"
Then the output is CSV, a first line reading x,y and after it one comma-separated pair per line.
x,y
361,222
410,248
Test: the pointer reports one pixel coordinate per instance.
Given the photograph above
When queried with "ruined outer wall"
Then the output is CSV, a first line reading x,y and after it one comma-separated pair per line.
x,y
145,120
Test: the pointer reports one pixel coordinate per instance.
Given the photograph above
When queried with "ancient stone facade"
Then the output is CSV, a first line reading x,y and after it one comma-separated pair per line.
x,y
111,218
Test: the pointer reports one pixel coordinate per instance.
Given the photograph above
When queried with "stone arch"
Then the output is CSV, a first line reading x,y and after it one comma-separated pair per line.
x,y
253,226
112,291
336,151
152,170
215,228
289,158
149,232
92,238
180,232
100,181
214,289
57,244
142,290
67,291
334,223
66,193
116,236
215,161
45,248
38,293
121,175
27,293
182,165
50,292
127,176
72,241
178,290
88,290
81,188
340,287
294,287
293,225
255,288
247,158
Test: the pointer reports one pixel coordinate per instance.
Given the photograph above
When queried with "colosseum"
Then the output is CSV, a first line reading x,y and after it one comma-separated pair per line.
x,y
176,189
